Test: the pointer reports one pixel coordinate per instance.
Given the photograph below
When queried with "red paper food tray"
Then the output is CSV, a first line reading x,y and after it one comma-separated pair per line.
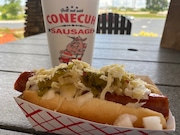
x,y
46,120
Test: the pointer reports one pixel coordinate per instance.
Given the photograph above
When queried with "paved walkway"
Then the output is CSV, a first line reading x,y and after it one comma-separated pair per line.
x,y
11,21
12,24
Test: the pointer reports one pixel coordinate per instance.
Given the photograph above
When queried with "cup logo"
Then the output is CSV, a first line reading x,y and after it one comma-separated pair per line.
x,y
73,22
74,50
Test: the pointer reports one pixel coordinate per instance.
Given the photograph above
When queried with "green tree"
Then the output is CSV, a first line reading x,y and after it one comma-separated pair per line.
x,y
156,5
11,9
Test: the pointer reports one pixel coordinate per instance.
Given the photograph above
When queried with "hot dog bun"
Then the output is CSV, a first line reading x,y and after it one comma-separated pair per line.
x,y
90,108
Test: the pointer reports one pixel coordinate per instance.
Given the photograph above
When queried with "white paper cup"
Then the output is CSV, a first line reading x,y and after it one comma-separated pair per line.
x,y
71,27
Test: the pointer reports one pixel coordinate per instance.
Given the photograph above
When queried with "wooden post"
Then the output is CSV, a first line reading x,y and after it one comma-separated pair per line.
x,y
34,23
171,34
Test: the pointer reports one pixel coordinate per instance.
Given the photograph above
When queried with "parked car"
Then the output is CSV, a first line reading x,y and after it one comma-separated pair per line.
x,y
130,17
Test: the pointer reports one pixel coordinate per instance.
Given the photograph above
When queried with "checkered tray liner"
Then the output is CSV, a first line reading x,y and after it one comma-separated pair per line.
x,y
46,120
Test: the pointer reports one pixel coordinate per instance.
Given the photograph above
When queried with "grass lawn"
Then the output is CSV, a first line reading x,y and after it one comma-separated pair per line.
x,y
146,15
143,14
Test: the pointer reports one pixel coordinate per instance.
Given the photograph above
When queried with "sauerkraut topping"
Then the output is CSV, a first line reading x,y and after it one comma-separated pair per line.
x,y
77,78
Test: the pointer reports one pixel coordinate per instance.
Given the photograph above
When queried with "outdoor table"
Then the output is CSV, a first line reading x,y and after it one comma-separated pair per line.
x,y
139,55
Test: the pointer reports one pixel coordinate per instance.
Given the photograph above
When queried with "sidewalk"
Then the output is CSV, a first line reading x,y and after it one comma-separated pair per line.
x,y
12,24
12,21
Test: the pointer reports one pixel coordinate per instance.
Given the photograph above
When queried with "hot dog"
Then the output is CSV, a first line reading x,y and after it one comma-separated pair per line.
x,y
99,95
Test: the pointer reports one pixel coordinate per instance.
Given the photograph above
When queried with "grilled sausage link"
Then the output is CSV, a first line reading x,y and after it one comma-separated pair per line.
x,y
155,102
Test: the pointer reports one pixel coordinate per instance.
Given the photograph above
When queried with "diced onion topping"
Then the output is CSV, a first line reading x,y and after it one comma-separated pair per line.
x,y
125,120
152,123
50,94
